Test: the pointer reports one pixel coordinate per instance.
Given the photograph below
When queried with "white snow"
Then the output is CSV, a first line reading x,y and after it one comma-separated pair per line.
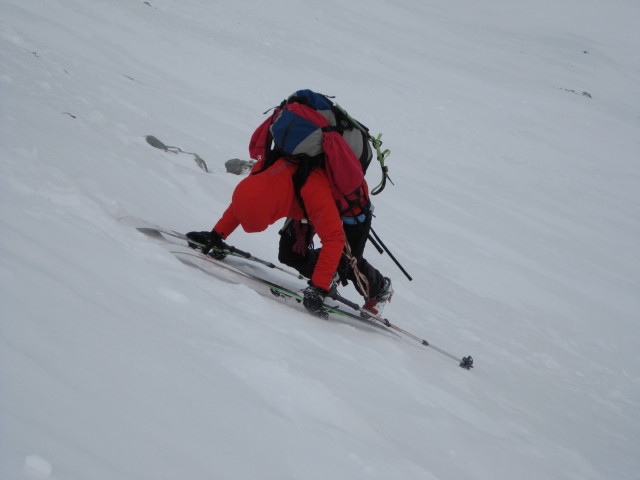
x,y
37,467
516,208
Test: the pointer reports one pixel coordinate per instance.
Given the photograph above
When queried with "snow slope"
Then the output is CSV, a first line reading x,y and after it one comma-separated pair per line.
x,y
515,208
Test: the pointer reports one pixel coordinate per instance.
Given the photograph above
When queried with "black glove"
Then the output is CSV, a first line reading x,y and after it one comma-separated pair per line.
x,y
314,300
209,242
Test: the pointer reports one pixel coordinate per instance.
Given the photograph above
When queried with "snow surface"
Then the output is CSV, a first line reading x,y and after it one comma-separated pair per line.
x,y
516,208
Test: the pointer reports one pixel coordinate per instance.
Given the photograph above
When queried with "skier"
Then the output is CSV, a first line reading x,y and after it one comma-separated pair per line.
x,y
268,195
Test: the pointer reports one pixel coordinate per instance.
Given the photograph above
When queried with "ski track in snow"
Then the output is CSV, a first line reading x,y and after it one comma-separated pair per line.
x,y
515,208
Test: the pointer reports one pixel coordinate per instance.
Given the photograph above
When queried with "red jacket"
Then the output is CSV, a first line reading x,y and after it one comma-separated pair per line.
x,y
262,199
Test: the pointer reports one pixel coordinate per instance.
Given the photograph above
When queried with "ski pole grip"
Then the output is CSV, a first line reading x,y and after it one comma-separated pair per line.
x,y
237,251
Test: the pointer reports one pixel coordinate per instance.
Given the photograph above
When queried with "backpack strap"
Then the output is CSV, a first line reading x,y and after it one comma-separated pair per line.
x,y
300,176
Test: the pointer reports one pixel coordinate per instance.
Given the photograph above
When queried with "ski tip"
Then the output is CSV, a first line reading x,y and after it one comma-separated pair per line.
x,y
467,362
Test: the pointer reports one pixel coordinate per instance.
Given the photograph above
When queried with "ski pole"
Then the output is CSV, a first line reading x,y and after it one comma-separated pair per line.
x,y
465,362
375,244
266,263
248,256
389,253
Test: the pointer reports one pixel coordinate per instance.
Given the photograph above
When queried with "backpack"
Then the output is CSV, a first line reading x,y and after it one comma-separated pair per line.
x,y
309,129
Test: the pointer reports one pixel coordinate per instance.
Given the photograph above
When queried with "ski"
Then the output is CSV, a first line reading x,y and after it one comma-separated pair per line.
x,y
185,254
190,256
195,258
161,232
